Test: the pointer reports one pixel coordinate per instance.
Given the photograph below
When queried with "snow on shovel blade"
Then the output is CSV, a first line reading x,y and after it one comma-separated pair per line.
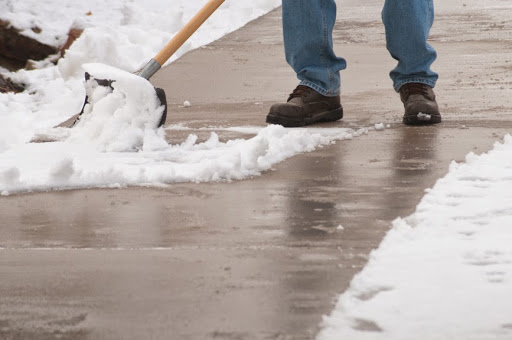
x,y
93,83
117,103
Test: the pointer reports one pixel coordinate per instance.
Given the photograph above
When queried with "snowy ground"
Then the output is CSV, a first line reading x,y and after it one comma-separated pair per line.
x,y
444,272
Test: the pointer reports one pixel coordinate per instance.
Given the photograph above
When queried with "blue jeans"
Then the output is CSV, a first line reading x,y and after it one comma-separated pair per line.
x,y
307,30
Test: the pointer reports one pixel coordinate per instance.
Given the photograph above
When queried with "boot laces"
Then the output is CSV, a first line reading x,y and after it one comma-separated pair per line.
x,y
416,88
299,91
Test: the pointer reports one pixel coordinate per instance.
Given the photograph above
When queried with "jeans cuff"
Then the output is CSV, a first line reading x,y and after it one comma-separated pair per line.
x,y
399,84
319,89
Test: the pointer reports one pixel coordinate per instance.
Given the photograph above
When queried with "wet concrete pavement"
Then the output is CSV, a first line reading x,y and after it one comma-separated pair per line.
x,y
262,258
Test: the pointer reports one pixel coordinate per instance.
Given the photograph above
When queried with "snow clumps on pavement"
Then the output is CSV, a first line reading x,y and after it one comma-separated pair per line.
x,y
67,164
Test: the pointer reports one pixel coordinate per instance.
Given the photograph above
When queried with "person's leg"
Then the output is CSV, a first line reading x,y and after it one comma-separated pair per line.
x,y
407,24
307,31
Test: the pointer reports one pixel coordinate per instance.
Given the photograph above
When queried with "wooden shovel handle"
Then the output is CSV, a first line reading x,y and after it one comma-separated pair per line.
x,y
179,39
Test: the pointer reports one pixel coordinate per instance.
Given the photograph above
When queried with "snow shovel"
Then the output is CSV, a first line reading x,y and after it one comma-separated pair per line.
x,y
156,63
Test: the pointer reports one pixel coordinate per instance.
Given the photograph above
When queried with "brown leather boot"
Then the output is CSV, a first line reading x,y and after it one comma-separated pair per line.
x,y
305,106
420,104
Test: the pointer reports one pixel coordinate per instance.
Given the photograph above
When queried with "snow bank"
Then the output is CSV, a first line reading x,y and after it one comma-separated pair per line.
x,y
122,34
76,164
445,272
49,21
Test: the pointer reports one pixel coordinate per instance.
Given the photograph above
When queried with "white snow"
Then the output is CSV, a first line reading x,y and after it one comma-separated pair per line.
x,y
379,127
445,272
424,116
124,118
77,164
150,22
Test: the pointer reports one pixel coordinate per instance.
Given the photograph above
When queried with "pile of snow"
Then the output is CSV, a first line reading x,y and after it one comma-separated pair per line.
x,y
119,33
76,164
445,272
151,22
120,117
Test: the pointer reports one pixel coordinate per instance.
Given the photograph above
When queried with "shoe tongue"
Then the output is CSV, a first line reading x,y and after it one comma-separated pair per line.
x,y
417,89
299,91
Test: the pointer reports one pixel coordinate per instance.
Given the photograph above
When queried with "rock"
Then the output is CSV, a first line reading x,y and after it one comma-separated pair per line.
x,y
73,34
18,51
18,47
6,85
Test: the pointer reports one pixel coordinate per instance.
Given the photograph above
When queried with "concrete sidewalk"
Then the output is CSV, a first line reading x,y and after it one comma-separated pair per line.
x,y
261,258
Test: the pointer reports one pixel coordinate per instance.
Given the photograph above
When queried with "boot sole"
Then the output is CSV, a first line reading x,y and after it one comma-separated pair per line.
x,y
422,120
322,117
